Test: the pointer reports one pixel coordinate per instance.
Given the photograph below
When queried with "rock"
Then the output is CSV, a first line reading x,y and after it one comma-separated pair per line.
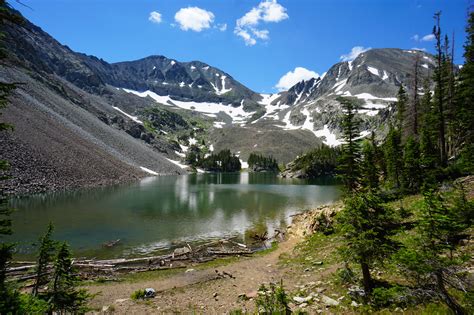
x,y
329,301
251,294
300,300
319,290
356,292
189,270
215,294
303,305
181,251
150,293
119,301
318,263
105,308
354,304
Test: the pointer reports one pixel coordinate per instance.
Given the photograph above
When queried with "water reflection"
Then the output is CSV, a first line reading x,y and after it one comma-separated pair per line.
x,y
159,212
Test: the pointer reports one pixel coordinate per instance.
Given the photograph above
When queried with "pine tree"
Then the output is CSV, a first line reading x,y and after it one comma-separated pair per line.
x,y
465,102
63,295
416,96
439,93
47,247
428,261
368,226
429,152
411,165
348,163
401,105
393,153
368,165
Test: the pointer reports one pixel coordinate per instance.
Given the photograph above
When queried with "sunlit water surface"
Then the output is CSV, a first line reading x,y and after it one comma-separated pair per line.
x,y
160,213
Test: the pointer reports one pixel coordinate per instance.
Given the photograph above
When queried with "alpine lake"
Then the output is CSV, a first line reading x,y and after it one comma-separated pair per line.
x,y
160,213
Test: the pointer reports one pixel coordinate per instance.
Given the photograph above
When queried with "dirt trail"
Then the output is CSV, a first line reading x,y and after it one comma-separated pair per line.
x,y
201,291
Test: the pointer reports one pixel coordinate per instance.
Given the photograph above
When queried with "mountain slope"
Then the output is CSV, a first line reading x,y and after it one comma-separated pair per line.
x,y
36,50
372,80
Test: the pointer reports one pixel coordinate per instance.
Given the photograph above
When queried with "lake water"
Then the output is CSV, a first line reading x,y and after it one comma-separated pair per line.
x,y
159,213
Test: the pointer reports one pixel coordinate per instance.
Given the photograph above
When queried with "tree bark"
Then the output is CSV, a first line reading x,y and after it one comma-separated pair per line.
x,y
366,278
450,301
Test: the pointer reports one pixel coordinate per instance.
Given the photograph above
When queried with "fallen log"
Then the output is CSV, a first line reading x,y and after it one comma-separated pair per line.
x,y
228,253
13,269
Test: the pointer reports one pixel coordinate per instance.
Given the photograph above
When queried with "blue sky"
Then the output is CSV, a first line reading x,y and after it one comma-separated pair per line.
x,y
255,41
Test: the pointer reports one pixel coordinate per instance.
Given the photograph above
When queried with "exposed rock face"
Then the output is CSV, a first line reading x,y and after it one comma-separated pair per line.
x,y
306,223
34,49
372,80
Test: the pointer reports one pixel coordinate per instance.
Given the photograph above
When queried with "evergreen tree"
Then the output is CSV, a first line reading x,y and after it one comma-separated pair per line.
x,y
401,106
63,295
321,161
465,102
259,162
193,155
368,165
393,158
428,260
416,96
429,153
411,165
368,226
47,247
348,163
440,89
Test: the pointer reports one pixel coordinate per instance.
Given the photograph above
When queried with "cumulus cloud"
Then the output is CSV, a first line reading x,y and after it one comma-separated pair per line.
x,y
222,27
293,77
155,17
268,11
194,19
426,38
356,51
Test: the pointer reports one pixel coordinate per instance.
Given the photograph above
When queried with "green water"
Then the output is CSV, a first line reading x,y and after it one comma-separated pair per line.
x,y
160,213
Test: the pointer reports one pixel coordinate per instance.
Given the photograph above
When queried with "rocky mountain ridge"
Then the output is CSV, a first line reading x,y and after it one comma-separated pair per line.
x,y
142,116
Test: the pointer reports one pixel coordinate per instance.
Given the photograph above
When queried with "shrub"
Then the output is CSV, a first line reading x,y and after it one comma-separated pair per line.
x,y
393,296
138,295
272,300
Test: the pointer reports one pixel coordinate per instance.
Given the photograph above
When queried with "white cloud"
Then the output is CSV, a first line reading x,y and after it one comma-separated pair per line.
x,y
194,18
426,38
295,76
155,17
222,27
249,40
356,51
268,11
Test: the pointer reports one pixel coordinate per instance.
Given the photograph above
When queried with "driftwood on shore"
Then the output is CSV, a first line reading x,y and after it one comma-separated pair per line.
x,y
181,257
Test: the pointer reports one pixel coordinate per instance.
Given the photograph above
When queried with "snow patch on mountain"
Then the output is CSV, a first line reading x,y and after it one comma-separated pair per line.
x,y
134,118
330,139
373,70
149,171
237,114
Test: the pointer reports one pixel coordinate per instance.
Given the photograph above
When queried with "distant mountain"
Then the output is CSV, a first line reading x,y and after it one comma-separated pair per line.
x,y
80,121
194,80
372,80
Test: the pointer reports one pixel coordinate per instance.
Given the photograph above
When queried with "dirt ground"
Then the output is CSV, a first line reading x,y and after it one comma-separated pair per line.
x,y
200,291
